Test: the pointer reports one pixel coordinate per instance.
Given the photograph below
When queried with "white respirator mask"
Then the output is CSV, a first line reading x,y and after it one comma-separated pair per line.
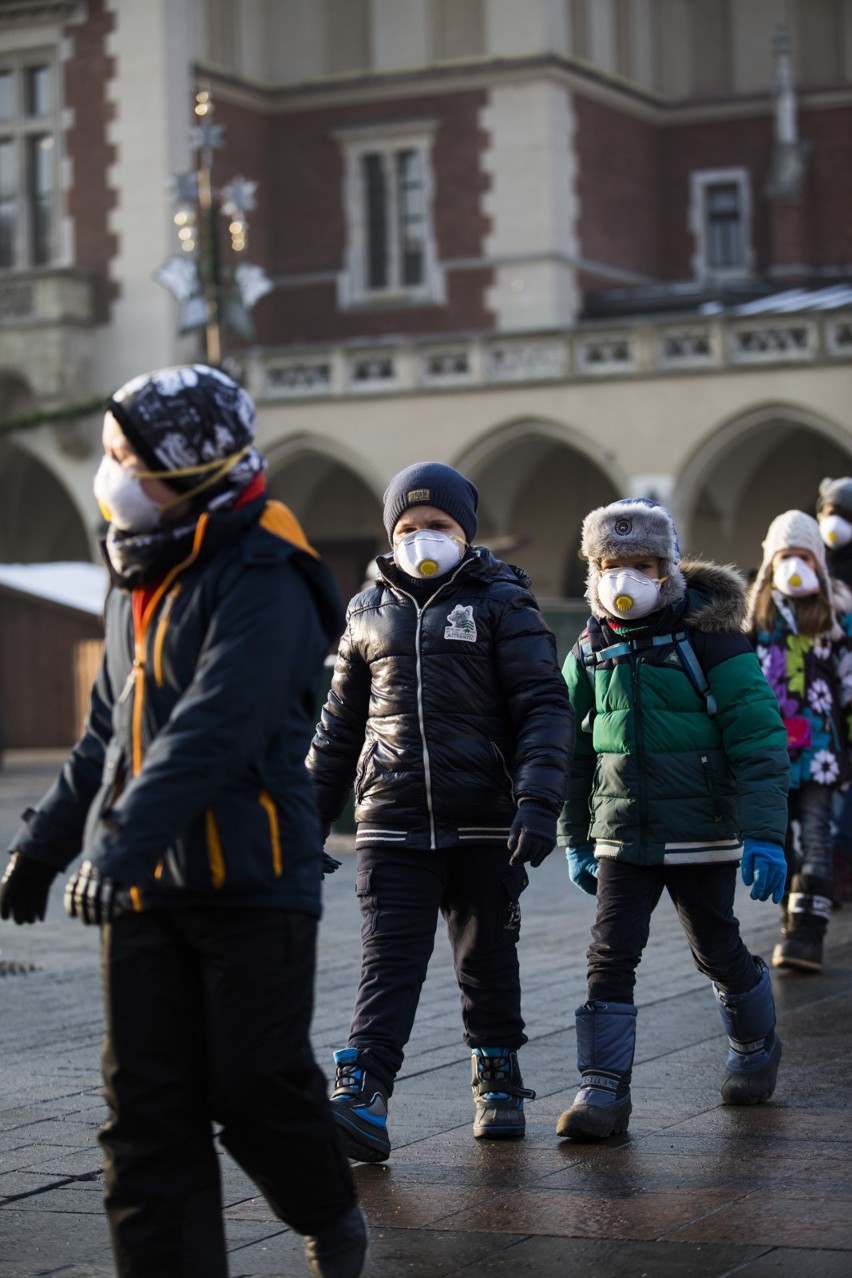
x,y
122,499
795,578
628,594
427,553
835,530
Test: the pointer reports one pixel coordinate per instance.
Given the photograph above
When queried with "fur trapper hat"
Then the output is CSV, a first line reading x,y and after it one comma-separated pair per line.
x,y
632,526
835,495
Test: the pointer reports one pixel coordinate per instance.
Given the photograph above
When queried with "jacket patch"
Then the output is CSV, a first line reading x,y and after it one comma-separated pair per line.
x,y
462,624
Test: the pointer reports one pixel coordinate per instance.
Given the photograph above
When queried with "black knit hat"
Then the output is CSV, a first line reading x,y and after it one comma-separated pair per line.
x,y
432,484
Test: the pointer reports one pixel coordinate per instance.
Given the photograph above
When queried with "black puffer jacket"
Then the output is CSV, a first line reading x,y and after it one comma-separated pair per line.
x,y
444,714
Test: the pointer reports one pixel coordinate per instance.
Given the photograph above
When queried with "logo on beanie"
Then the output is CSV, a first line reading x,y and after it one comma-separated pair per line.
x,y
462,625
419,497
623,526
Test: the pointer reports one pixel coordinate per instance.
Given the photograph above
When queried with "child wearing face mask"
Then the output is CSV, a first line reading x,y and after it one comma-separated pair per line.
x,y
800,622
834,516
680,774
448,712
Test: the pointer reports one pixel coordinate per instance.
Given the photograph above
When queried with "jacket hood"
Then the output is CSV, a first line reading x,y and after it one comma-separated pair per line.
x,y
479,562
715,596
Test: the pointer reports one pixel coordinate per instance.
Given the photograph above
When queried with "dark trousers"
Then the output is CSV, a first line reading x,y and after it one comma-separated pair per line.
x,y
401,893
207,1020
809,846
703,896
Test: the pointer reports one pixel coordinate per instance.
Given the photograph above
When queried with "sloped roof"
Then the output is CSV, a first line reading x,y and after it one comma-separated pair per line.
x,y
78,585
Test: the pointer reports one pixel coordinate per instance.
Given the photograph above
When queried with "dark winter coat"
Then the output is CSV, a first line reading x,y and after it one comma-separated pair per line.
x,y
656,778
189,781
443,714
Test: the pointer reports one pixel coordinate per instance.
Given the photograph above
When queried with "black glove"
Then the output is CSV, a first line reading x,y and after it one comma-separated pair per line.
x,y
93,897
23,892
329,864
533,833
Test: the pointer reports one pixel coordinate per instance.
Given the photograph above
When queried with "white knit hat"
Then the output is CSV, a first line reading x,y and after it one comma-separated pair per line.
x,y
794,529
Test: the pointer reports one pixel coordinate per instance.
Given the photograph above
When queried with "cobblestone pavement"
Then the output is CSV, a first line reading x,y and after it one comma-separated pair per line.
x,y
695,1188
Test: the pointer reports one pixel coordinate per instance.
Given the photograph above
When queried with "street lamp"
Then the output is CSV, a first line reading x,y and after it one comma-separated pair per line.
x,y
213,295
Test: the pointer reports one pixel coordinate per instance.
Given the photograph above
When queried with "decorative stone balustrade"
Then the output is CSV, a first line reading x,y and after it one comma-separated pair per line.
x,y
592,352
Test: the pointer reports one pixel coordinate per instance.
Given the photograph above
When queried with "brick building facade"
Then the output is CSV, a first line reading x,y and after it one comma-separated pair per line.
x,y
576,247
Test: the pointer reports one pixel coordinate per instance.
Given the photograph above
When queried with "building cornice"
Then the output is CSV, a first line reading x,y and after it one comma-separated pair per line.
x,y
482,74
18,14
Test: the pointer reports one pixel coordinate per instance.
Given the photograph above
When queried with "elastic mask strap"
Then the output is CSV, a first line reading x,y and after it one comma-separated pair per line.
x,y
220,468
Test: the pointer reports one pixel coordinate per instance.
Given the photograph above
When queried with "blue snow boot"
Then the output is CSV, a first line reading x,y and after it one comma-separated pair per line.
x,y
606,1040
359,1103
498,1094
754,1048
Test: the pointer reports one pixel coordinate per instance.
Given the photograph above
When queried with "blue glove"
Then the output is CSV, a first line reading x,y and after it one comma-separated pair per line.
x,y
583,868
765,867
533,833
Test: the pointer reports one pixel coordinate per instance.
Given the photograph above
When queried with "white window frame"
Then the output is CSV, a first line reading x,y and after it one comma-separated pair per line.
x,y
354,289
20,129
700,184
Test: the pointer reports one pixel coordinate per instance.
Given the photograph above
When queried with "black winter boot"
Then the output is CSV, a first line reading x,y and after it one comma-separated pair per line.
x,y
338,1251
498,1093
804,924
606,1040
359,1103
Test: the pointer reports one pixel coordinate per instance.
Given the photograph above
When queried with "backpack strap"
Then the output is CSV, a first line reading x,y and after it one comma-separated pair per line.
x,y
590,657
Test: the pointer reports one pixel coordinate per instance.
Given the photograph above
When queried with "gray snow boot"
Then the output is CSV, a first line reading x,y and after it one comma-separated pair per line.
x,y
498,1094
754,1048
606,1041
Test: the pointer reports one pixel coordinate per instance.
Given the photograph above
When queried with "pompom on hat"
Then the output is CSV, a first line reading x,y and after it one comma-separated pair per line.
x,y
432,484
632,526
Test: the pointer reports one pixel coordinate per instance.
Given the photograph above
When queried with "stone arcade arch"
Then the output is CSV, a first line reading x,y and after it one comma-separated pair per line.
x,y
537,479
39,522
337,502
748,470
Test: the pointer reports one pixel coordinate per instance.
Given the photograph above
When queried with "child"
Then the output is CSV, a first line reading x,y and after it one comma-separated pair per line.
x,y
796,617
188,797
682,765
448,711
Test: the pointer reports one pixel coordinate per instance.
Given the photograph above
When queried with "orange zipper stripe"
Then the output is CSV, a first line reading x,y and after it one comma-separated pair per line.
x,y
214,850
268,803
139,646
159,640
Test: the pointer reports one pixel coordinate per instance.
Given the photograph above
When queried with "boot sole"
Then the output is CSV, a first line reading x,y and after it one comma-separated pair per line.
x,y
358,1147
496,1133
588,1125
797,964
747,1096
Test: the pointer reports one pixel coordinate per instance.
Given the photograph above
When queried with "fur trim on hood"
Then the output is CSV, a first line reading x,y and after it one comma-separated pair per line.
x,y
716,596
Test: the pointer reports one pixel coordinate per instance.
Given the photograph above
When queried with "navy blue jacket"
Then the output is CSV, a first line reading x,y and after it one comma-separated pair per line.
x,y
444,715
189,782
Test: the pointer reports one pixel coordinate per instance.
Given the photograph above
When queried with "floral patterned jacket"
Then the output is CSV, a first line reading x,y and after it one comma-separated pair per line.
x,y
812,679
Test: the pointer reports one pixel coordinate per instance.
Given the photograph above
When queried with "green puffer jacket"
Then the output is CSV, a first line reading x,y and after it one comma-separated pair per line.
x,y
656,778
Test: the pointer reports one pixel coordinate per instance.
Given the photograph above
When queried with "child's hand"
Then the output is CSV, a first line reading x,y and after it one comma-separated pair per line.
x,y
583,868
764,866
533,834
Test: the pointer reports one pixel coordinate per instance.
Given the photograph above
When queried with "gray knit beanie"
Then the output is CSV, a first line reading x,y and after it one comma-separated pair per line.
x,y
836,495
431,484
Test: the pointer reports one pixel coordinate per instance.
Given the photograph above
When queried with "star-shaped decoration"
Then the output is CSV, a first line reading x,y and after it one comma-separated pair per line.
x,y
206,136
239,197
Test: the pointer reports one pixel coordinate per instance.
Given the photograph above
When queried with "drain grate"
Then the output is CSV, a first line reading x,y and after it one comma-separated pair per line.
x,y
17,969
